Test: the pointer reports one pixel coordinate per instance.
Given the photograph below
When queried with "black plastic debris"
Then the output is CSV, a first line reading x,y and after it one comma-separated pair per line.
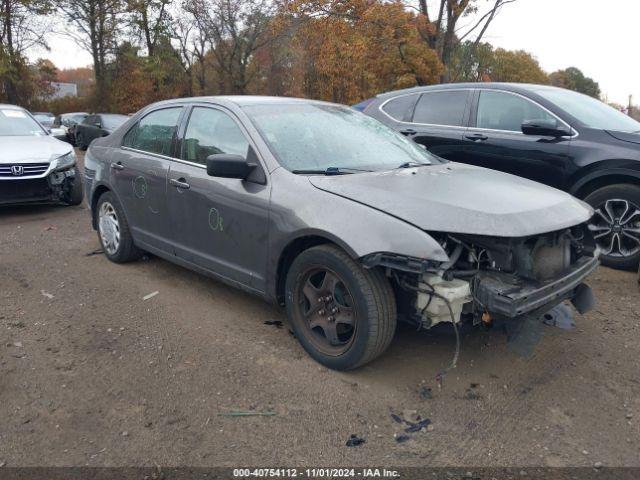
x,y
397,418
355,441
416,427
560,316
471,394
99,251
402,438
276,323
425,393
583,298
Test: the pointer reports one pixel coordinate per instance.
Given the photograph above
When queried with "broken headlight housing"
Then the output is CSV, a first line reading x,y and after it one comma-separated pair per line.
x,y
64,162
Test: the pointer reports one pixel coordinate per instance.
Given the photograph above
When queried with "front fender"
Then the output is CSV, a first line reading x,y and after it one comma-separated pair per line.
x,y
300,210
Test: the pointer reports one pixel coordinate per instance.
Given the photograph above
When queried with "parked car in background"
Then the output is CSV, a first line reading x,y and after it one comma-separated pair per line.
x,y
341,219
558,137
68,122
95,126
45,118
34,166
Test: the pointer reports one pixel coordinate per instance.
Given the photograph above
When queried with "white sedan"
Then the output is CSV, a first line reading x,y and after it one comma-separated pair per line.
x,y
34,166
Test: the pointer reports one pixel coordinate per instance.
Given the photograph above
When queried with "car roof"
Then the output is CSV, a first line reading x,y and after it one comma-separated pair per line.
x,y
9,106
513,87
244,100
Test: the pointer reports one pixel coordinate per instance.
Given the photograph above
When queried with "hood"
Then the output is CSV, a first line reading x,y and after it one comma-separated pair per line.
x,y
460,198
625,136
31,149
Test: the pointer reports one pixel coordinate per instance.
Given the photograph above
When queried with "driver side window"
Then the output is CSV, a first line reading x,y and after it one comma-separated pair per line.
x,y
504,111
209,132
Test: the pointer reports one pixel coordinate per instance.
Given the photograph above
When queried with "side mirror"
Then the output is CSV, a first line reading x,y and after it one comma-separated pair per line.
x,y
229,166
98,124
545,128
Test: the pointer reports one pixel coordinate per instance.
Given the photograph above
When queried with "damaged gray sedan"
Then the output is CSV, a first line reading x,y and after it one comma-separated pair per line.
x,y
330,213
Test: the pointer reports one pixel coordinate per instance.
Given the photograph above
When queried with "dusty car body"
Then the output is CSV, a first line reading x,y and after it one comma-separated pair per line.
x,y
348,252
35,167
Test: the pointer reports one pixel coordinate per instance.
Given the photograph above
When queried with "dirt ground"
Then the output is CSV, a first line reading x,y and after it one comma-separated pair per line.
x,y
92,374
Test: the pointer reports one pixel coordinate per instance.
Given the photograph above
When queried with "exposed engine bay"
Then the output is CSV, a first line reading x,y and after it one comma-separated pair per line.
x,y
494,278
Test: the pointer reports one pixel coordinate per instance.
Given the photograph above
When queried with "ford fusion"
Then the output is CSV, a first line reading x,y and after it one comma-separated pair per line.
x,y
336,216
34,166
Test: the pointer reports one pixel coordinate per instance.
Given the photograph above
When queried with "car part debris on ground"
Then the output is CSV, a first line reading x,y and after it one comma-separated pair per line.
x,y
355,441
247,414
150,295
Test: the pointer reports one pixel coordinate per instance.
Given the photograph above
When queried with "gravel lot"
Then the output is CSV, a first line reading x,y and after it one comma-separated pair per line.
x,y
92,374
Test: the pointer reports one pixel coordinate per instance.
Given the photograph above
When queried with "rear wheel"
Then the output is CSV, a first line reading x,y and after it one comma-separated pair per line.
x,y
343,314
616,224
113,231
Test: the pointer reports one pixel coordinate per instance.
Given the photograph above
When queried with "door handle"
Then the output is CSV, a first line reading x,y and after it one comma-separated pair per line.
x,y
477,137
180,183
117,166
408,132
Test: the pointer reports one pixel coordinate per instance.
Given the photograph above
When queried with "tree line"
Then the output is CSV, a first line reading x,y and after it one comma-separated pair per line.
x,y
337,50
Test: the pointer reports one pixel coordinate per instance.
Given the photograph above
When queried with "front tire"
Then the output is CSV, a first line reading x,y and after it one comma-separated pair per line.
x,y
113,231
616,224
343,314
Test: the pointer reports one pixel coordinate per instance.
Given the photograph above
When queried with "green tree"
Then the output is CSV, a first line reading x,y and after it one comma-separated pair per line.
x,y
573,79
20,29
516,66
481,63
443,31
95,26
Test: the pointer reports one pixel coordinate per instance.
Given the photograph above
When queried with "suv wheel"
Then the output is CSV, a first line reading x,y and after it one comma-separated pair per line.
x,y
616,224
343,315
113,231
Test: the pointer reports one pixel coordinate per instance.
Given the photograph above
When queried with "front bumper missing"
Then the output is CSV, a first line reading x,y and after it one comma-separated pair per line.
x,y
49,189
510,296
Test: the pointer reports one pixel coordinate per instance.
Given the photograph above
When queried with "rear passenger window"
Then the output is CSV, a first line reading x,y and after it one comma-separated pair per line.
x,y
441,108
155,132
400,108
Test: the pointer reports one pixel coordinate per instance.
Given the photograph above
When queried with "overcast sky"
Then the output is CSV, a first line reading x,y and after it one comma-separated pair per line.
x,y
599,37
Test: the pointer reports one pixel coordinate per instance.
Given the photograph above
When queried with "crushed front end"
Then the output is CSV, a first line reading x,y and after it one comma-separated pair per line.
x,y
492,279
41,182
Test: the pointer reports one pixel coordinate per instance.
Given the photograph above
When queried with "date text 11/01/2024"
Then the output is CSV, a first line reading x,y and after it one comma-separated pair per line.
x,y
315,473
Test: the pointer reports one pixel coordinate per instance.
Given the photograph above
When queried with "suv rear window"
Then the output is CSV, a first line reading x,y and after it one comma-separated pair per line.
x,y
401,108
441,108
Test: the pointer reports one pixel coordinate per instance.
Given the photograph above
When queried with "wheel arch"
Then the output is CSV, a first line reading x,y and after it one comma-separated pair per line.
x,y
603,177
98,190
294,248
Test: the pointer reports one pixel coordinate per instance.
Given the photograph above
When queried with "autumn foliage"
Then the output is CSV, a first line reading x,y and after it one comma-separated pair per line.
x,y
345,51
337,50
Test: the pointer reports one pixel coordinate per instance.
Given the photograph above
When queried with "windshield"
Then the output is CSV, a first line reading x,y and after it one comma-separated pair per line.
x,y
310,137
113,121
14,122
593,113
75,118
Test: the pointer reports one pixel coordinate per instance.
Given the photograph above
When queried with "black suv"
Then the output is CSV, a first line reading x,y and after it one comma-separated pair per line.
x,y
555,136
